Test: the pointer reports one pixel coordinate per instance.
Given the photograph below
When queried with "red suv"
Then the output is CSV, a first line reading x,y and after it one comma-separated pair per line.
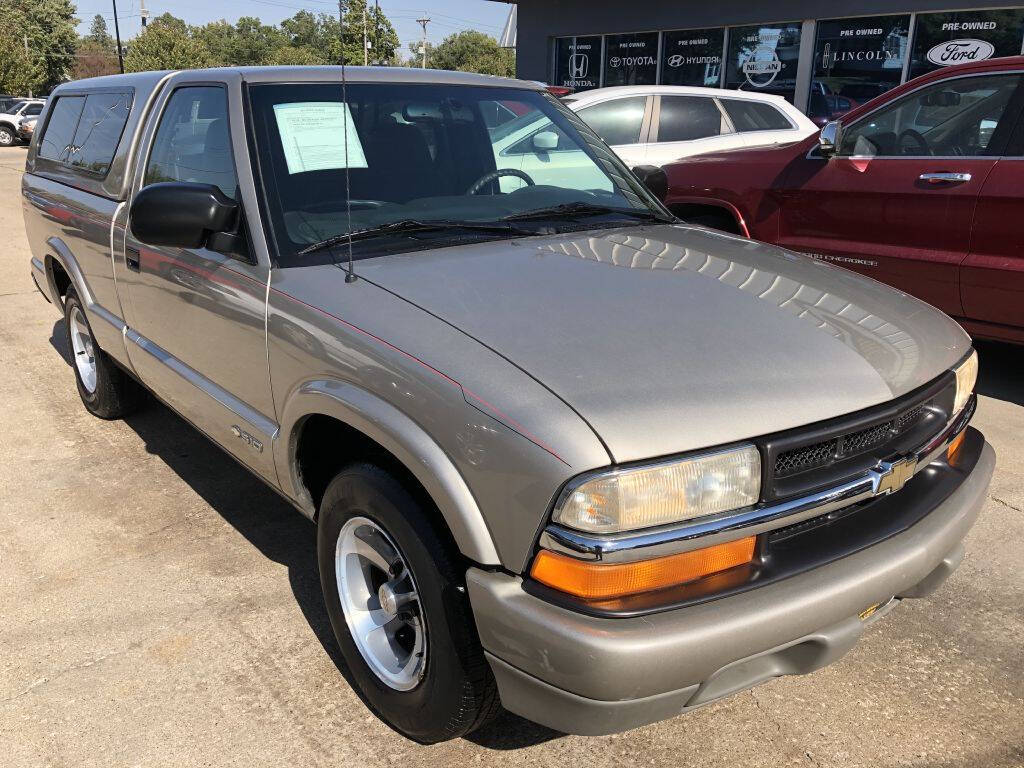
x,y
921,188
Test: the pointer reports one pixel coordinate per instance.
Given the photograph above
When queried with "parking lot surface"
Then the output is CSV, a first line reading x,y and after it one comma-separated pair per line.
x,y
159,606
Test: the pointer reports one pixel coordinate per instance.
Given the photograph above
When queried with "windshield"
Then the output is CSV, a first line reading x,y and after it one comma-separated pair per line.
x,y
14,107
427,154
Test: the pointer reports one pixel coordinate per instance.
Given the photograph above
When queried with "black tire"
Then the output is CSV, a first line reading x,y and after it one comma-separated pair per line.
x,y
457,692
7,136
116,393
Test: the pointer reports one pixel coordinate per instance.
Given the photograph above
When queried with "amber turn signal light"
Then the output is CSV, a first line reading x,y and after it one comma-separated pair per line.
x,y
954,447
596,581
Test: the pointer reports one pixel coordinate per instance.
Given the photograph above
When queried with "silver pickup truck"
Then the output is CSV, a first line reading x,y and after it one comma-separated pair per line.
x,y
564,452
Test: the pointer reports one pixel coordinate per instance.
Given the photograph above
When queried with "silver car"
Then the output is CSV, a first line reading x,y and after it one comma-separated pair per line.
x,y
565,453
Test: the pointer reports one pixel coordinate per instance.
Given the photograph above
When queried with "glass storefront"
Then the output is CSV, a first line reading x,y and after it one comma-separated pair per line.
x,y
631,59
692,57
764,58
856,60
942,39
578,62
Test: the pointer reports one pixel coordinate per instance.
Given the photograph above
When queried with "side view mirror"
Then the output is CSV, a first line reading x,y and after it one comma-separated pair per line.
x,y
654,178
545,141
182,214
828,138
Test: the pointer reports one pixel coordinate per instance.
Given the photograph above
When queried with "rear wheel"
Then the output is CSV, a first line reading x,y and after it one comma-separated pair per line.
x,y
106,390
395,596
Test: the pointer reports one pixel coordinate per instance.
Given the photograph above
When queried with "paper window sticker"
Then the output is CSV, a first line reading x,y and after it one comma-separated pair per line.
x,y
313,134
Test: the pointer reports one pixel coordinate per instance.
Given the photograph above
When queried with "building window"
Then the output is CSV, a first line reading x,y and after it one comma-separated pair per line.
x,y
692,57
631,59
942,39
578,62
856,60
764,58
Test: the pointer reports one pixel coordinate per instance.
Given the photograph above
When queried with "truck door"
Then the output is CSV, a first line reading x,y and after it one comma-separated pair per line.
x,y
897,202
197,317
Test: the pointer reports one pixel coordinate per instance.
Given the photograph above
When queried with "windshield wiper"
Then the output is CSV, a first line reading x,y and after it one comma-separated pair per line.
x,y
568,210
409,226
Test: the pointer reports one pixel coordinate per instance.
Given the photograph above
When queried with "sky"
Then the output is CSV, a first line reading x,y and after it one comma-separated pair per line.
x,y
448,16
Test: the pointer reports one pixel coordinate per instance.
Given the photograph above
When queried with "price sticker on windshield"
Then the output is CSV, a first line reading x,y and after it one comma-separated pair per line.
x,y
314,133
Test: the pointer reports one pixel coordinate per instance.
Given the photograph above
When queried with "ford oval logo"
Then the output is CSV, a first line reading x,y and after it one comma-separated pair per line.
x,y
960,51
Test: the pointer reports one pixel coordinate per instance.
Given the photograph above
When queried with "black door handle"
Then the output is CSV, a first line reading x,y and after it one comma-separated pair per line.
x,y
132,259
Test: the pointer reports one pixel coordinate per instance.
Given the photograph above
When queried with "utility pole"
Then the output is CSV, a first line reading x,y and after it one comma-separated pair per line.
x,y
366,42
117,36
25,40
376,32
144,13
423,44
341,28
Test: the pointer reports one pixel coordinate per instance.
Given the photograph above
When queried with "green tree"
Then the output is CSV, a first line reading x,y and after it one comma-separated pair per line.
x,y
296,56
99,34
472,51
167,43
218,38
255,43
49,27
416,56
322,33
19,74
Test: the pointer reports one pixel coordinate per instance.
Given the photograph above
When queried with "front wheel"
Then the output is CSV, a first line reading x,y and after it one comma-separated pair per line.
x,y
7,137
399,610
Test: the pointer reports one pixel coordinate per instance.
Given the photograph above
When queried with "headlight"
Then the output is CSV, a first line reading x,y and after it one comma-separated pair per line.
x,y
966,378
669,492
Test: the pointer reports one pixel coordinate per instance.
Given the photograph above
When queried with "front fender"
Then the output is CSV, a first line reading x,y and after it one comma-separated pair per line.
x,y
400,435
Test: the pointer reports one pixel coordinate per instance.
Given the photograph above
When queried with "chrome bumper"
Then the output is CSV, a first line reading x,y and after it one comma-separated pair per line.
x,y
886,477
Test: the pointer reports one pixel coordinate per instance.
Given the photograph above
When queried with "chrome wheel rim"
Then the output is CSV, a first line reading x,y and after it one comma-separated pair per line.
x,y
83,350
382,607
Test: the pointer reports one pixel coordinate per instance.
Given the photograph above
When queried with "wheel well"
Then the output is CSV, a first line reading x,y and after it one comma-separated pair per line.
x,y
325,445
61,281
713,216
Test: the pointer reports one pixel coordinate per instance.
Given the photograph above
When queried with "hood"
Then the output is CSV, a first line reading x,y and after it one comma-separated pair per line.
x,y
671,338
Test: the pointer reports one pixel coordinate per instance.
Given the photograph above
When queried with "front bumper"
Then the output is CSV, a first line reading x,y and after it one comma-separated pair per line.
x,y
593,675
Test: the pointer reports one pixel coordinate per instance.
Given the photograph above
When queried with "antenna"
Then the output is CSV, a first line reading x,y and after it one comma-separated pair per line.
x,y
350,276
423,45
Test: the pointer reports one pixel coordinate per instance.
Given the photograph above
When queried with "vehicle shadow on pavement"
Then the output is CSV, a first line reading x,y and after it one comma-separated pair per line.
x,y
273,527
999,367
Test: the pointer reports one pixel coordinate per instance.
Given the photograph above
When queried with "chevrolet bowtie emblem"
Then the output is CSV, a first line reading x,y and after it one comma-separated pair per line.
x,y
893,475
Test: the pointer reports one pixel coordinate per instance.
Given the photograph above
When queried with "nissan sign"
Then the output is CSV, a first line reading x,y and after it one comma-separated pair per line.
x,y
959,51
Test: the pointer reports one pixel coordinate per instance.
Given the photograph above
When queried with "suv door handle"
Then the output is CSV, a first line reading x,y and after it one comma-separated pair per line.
x,y
132,259
945,177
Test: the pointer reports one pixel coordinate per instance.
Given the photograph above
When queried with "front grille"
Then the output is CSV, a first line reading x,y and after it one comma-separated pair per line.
x,y
866,438
802,459
827,453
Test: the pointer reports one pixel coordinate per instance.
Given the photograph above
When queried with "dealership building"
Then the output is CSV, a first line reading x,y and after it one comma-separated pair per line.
x,y
799,49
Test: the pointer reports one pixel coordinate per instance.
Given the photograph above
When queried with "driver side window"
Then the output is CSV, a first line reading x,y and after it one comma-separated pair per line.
x,y
192,142
951,118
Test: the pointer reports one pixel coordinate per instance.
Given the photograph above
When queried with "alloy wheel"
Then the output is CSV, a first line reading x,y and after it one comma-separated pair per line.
x,y
381,605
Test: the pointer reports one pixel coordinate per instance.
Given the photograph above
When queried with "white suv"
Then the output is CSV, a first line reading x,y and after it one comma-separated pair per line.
x,y
10,121
655,125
